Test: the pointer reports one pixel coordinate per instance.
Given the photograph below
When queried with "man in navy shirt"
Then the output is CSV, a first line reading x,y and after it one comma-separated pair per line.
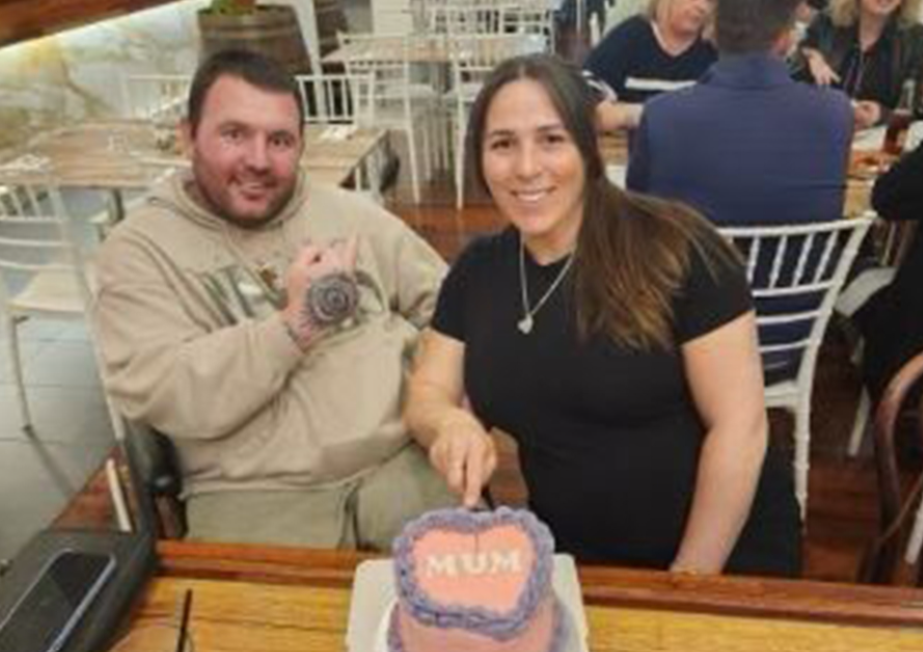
x,y
747,144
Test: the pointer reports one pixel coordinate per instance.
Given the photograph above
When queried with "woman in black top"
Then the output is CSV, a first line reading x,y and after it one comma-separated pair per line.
x,y
658,50
891,321
868,48
613,336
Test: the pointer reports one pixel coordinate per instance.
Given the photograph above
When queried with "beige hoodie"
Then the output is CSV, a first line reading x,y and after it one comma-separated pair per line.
x,y
192,342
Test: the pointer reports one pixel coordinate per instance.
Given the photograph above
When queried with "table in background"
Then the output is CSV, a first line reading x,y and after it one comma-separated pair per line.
x,y
120,155
280,600
433,48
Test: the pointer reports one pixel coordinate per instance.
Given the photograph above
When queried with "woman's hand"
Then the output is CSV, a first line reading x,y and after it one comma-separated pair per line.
x,y
617,116
866,113
465,454
821,71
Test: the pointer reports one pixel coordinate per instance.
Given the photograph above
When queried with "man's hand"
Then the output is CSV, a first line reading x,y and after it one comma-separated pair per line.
x,y
866,113
310,265
465,455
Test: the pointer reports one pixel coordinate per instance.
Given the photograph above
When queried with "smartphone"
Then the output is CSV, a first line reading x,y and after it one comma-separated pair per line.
x,y
50,609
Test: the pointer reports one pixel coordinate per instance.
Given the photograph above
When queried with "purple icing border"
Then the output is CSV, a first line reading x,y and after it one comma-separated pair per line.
x,y
559,638
479,619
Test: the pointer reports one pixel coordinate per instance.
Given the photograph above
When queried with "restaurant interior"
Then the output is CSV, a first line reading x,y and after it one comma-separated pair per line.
x,y
67,103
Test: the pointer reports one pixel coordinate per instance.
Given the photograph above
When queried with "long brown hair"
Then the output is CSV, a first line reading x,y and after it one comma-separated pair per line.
x,y
633,251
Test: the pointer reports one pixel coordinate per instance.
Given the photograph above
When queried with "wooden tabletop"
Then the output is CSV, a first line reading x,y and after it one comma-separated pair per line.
x,y
280,600
435,48
124,154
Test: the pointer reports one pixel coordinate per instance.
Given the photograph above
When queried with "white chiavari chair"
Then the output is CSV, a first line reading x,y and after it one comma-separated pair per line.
x,y
337,99
44,272
402,103
473,58
796,273
155,97
466,18
344,100
529,18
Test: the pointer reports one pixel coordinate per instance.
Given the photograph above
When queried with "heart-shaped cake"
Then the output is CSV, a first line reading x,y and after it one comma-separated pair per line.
x,y
475,581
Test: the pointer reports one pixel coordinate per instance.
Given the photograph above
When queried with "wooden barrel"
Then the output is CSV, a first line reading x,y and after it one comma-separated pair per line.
x,y
272,30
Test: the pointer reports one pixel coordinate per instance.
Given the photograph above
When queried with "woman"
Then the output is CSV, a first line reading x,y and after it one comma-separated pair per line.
x,y
891,322
869,48
651,53
613,336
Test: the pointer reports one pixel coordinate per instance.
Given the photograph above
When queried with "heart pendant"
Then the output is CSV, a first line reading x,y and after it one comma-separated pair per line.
x,y
525,325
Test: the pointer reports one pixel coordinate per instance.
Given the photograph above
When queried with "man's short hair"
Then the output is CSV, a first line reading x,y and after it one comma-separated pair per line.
x,y
255,69
744,26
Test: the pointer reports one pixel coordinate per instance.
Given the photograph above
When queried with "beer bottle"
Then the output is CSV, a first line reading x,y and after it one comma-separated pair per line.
x,y
900,120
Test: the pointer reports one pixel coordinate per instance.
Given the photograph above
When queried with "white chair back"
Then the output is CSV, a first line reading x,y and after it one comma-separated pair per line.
x,y
332,99
487,18
796,273
43,270
43,273
473,59
465,18
160,98
386,62
529,19
401,103
41,263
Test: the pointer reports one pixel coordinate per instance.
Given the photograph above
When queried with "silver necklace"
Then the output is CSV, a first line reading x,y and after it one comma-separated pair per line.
x,y
527,322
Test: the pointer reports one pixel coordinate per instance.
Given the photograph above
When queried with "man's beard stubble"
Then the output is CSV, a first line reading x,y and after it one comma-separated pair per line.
x,y
200,195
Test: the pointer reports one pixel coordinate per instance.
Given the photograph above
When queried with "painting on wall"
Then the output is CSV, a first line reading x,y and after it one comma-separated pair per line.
x,y
75,75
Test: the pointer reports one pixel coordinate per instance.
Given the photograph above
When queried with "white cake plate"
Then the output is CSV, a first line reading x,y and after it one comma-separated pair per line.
x,y
373,598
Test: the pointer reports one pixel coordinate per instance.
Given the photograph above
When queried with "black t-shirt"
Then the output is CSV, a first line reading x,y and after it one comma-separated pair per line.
x,y
609,437
630,60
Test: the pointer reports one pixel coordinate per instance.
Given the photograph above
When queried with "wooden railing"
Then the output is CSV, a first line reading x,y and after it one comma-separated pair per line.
x,y
21,20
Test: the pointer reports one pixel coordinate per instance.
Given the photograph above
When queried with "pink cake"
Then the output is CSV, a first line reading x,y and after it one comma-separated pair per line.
x,y
475,582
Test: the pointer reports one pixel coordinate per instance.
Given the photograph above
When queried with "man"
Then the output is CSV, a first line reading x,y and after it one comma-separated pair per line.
x,y
747,145
263,322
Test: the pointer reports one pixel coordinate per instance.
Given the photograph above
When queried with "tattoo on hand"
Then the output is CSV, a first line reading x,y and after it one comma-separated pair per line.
x,y
331,299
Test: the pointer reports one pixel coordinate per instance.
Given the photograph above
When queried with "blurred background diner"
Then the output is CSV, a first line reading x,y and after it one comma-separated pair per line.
x,y
92,94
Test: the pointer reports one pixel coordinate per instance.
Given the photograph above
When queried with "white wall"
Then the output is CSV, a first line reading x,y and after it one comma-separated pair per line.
x,y
74,75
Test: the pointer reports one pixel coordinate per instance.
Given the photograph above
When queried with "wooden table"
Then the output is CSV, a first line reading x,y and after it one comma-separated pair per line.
x,y
124,155
288,600
435,48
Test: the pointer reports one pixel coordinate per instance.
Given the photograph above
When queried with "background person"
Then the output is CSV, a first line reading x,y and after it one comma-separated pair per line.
x,y
891,321
748,145
263,323
867,48
612,335
660,50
